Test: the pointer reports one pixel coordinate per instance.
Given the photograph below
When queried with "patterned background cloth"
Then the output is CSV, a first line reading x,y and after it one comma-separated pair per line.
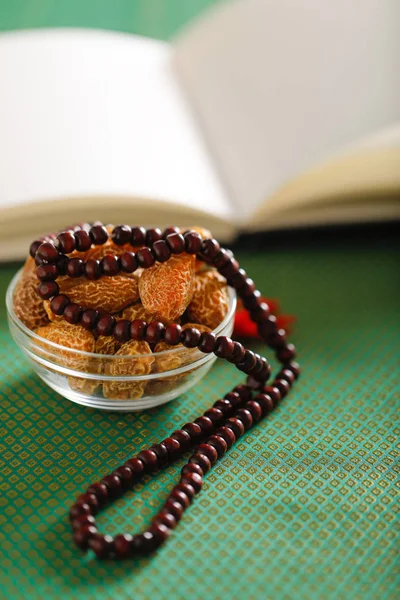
x,y
304,506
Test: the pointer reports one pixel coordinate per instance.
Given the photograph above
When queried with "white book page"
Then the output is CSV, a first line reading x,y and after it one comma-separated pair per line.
x,y
92,119
280,85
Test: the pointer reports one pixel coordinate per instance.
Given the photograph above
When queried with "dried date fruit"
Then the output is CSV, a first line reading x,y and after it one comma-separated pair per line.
x,y
210,300
28,306
166,288
103,345
71,337
131,365
138,311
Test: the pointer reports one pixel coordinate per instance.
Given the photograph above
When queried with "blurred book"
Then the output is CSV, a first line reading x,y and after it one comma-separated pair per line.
x,y
263,114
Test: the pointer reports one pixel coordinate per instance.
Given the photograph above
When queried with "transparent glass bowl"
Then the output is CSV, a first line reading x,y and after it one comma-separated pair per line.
x,y
114,382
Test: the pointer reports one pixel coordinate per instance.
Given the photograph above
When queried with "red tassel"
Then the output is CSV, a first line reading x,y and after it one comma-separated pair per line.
x,y
246,328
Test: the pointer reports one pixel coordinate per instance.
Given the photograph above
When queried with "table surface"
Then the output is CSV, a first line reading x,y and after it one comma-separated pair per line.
x,y
304,506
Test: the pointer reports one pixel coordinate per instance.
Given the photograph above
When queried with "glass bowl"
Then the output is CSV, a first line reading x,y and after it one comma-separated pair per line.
x,y
112,382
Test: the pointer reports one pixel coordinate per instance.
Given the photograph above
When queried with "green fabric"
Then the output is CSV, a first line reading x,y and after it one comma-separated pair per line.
x,y
304,506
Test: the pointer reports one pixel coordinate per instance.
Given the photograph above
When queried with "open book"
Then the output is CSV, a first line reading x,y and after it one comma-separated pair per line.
x,y
263,114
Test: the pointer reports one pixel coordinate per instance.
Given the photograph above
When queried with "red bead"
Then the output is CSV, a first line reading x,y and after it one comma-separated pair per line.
x,y
155,332
126,476
236,425
166,518
183,438
223,347
288,375
248,362
255,410
123,545
192,468
47,272
287,354
248,288
48,289
202,460
186,489
215,414
252,301
207,342
243,390
194,430
145,257
162,453
180,497
121,235
75,267
33,248
82,536
92,269
149,459
48,252
193,479
210,248
205,424
273,392
235,399
169,230
277,339
267,327
283,386
237,354
98,234
190,337
153,235
61,264
102,545
105,325
230,269
89,318
175,242
58,304
79,509
161,251
173,448
128,262
227,434
172,334
192,242
224,406
219,444
138,236
266,403
136,466
245,416
222,259
82,521
160,533
109,265
82,240
174,508
295,368
100,490
113,483
72,313
209,451
122,331
91,500
138,329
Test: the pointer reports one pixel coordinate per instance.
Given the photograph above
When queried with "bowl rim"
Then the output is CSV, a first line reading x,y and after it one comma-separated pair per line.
x,y
93,355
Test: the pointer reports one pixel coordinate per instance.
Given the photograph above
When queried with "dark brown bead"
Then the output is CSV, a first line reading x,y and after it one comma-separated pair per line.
x,y
33,248
138,236
222,259
287,354
193,479
283,386
260,313
138,329
202,460
255,410
243,390
238,280
47,272
219,444
192,468
174,508
123,545
273,392
82,521
58,304
288,375
121,234
82,536
155,332
89,318
169,230
72,313
92,269
122,331
183,438
128,262
153,235
228,435
252,301
205,424
190,337
207,342
75,268
192,242
48,289
245,416
186,489
180,497
166,518
194,430
236,425
48,252
109,265
161,251
126,476
102,545
172,334
237,354
223,347
114,485
173,448
176,243
248,362
215,414
136,466
91,500
230,269
295,368
61,264
210,248
248,288
98,234
160,533
208,450
105,325
100,490
162,453
266,403
277,339
149,459
82,240
39,261
224,406
79,509
267,327
235,399
145,257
